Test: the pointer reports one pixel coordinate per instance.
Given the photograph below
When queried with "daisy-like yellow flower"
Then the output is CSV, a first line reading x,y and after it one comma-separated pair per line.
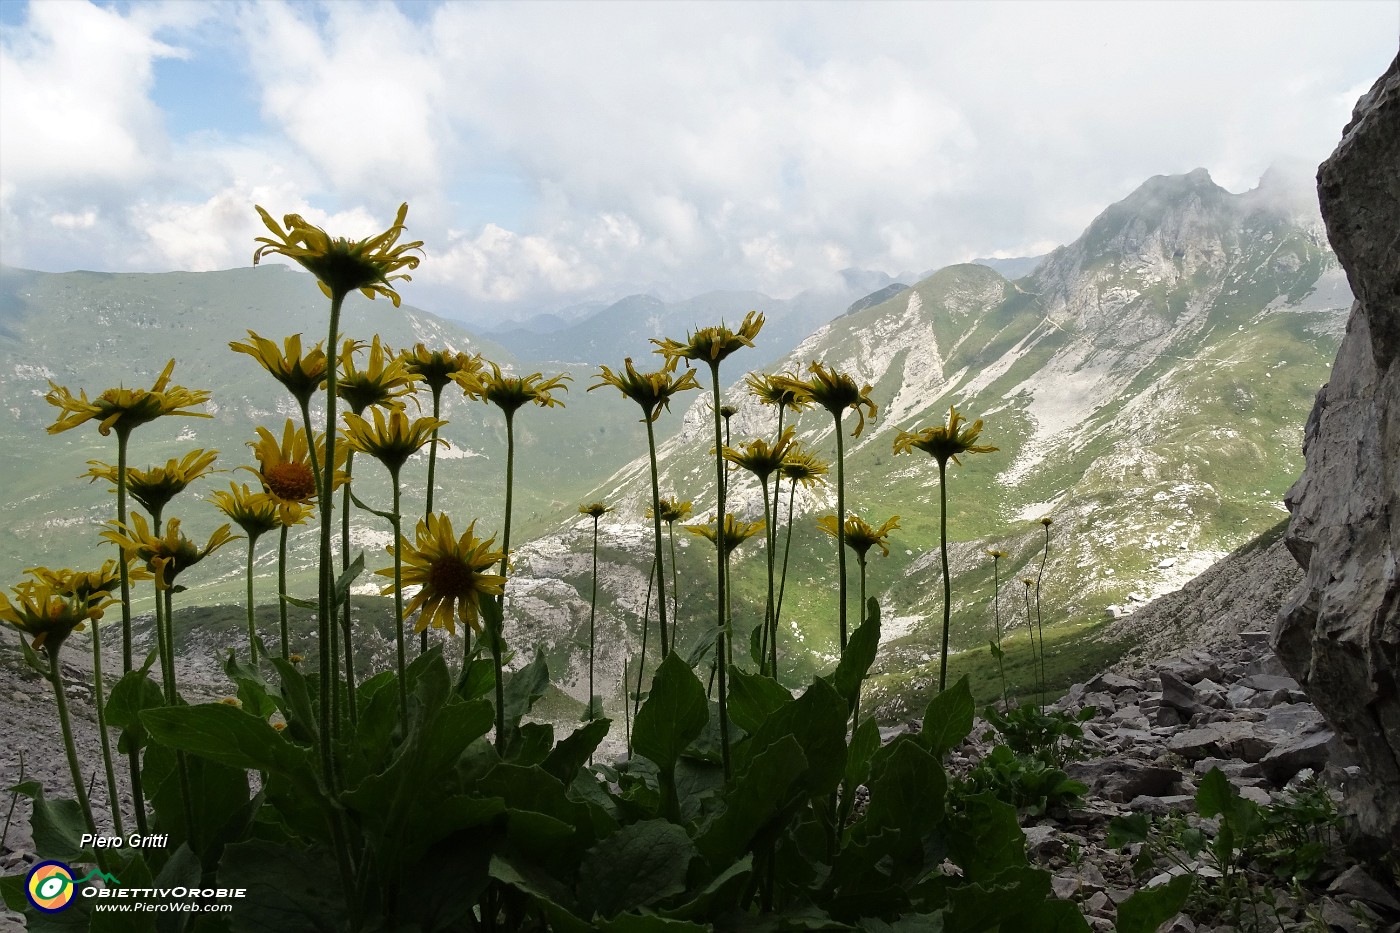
x,y
860,536
784,390
711,344
342,265
652,391
285,469
672,510
997,555
88,586
736,532
436,368
165,556
255,512
803,466
123,408
154,488
834,391
301,375
1047,521
944,442
451,574
47,615
760,457
595,509
390,441
509,393
384,380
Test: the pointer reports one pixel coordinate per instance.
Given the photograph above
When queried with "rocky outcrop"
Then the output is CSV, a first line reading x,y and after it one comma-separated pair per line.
x,y
1339,633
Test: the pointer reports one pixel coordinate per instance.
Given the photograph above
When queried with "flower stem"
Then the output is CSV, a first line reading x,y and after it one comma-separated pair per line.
x,y
996,615
172,698
101,703
642,656
721,654
498,629
656,529
947,583
428,504
769,540
675,590
133,755
326,594
787,552
841,528
592,616
346,622
252,619
65,724
398,602
1040,629
282,592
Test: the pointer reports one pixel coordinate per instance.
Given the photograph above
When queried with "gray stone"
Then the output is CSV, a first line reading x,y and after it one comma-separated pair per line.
x,y
1161,806
1339,632
1179,694
1308,751
1356,883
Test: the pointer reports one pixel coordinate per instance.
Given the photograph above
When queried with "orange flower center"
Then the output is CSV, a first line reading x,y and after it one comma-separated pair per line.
x,y
448,576
290,481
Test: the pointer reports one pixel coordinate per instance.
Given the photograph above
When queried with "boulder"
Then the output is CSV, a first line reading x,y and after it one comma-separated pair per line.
x,y
1339,632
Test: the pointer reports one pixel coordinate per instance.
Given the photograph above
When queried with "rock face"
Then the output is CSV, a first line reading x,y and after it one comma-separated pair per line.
x,y
1339,632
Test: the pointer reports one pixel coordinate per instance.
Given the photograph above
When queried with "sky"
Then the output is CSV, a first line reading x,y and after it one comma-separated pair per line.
x,y
553,153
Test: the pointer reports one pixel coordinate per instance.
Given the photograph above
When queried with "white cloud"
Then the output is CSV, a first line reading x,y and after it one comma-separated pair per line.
x,y
691,145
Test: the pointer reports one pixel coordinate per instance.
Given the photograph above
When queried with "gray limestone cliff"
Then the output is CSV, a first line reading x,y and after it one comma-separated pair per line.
x,y
1339,632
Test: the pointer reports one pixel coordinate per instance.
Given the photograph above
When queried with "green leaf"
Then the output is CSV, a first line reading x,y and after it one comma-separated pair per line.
x,y
572,753
1149,908
311,604
347,578
638,865
948,719
58,825
760,793
301,718
817,720
230,737
673,715
477,679
753,698
288,888
531,743
865,741
1125,830
132,694
985,838
523,688
636,923
721,894
859,655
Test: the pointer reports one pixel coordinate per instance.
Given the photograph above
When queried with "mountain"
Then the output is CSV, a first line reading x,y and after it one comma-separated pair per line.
x,y
626,327
1146,387
1012,267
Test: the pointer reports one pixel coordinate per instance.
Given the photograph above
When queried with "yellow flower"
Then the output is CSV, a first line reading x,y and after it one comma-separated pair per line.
x,y
785,390
711,344
652,391
122,408
834,391
510,392
295,658
945,441
1046,521
802,466
46,614
596,509
254,512
760,457
91,588
154,488
279,725
860,536
672,510
736,532
436,368
997,555
235,702
383,382
300,375
342,265
1028,581
285,469
393,441
451,572
165,556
